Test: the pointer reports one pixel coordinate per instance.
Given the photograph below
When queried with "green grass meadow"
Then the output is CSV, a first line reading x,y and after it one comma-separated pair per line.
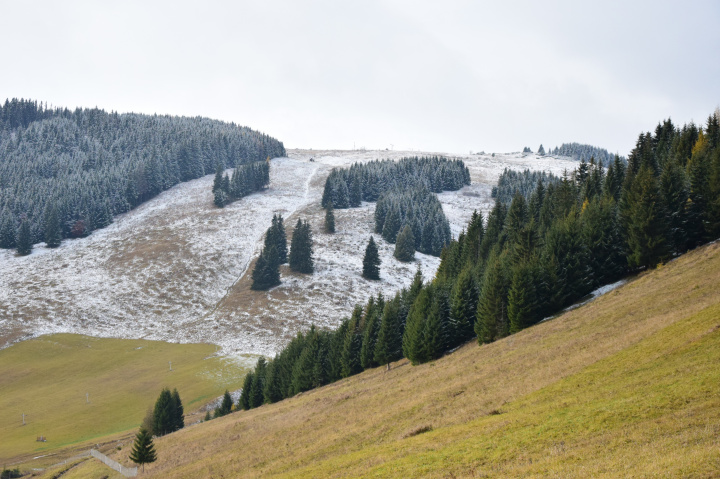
x,y
47,379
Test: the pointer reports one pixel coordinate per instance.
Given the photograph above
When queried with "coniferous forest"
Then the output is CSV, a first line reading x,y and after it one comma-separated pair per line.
x,y
66,173
523,182
582,152
404,192
527,261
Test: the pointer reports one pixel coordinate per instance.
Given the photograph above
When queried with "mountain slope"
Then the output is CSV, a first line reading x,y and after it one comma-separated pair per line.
x,y
624,386
176,267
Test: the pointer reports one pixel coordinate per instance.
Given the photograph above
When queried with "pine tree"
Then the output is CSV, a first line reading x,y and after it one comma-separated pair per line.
x,y
178,412
220,198
218,181
7,231
53,234
463,307
373,312
267,270
391,226
437,331
414,340
24,238
405,245
388,346
281,240
244,401
491,318
352,345
258,384
143,451
163,422
646,226
226,405
301,252
371,261
329,218
522,298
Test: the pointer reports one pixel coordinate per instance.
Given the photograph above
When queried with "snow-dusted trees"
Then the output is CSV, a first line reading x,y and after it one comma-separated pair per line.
x,y
91,165
523,182
582,152
246,179
421,211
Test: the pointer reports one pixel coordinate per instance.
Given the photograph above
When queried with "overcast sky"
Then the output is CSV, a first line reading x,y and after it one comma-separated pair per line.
x,y
450,76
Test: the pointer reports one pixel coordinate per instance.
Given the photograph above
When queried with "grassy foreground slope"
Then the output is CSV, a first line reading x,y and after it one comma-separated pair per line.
x,y
47,379
624,386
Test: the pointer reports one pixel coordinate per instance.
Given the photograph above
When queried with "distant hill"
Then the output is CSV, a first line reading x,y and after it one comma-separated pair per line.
x,y
87,165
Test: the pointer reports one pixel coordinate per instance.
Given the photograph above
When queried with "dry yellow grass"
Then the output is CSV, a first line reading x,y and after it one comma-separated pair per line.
x,y
624,386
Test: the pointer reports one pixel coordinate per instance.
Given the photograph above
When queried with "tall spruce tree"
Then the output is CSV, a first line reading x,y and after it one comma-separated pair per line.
x,y
301,253
267,270
646,226
388,347
178,412
371,261
491,319
522,298
53,233
244,400
163,420
414,340
373,311
463,307
143,451
352,345
329,218
405,245
7,231
24,238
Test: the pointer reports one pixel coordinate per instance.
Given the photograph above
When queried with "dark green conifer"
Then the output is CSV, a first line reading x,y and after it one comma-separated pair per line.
x,y
226,405
352,345
463,307
53,233
163,421
491,319
7,231
244,401
143,451
178,412
329,218
24,238
522,298
218,181
646,226
405,245
301,252
373,311
267,270
371,261
388,347
413,344
257,398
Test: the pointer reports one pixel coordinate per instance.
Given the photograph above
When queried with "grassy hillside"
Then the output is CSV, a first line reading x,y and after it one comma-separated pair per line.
x,y
47,379
624,386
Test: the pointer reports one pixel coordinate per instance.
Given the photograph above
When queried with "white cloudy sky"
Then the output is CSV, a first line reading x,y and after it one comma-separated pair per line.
x,y
446,75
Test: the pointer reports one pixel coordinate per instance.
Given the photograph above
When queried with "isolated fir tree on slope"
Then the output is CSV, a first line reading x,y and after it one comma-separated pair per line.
x,y
24,238
275,236
143,451
371,261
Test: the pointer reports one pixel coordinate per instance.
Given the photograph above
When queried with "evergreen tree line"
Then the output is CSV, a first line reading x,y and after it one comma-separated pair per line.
x,y
372,336
347,188
245,179
166,416
67,173
524,182
266,273
580,152
529,260
417,208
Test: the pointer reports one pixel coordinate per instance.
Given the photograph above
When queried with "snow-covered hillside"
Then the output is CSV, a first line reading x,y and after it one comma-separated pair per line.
x,y
177,268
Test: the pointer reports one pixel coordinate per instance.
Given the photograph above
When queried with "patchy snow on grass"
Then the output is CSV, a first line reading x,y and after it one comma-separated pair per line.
x,y
177,268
